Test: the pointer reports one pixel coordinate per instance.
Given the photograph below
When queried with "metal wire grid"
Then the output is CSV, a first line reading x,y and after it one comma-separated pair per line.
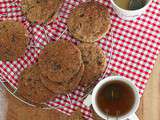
x,y
88,89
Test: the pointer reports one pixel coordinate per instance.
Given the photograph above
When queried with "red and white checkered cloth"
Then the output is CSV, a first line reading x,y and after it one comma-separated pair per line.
x,y
136,46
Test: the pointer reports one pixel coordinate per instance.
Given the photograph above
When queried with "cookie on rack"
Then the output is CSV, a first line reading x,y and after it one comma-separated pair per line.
x,y
13,40
65,86
30,87
60,61
89,22
94,62
40,10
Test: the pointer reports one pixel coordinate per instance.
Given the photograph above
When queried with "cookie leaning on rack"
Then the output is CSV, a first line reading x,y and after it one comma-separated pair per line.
x,y
30,87
94,63
58,71
13,40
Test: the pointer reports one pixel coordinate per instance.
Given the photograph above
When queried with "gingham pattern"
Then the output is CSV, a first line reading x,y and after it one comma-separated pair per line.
x,y
137,44
13,11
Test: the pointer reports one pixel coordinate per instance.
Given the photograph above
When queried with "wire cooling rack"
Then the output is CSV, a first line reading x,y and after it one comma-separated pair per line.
x,y
13,91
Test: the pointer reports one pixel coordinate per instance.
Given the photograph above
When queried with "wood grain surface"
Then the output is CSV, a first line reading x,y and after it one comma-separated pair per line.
x,y
150,103
149,108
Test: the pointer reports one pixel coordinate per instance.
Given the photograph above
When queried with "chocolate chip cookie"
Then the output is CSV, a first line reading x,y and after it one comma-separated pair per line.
x,y
60,61
13,40
89,22
94,62
40,10
31,88
65,86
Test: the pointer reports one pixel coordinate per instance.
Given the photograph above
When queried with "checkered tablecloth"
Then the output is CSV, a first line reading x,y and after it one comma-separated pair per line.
x,y
135,49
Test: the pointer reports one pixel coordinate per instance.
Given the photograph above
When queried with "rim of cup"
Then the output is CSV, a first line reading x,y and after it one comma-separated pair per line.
x,y
111,78
148,2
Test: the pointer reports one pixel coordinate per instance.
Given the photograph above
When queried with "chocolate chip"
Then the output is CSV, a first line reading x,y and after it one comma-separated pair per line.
x,y
86,62
37,1
89,52
90,17
56,66
80,25
81,15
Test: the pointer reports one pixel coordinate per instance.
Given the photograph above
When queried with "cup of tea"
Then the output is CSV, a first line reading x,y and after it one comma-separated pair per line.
x,y
115,97
130,9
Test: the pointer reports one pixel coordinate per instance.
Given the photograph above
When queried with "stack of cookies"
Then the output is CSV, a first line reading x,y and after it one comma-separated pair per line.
x,y
58,71
61,67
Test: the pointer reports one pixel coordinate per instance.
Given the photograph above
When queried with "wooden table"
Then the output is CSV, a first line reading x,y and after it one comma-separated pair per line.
x,y
149,108
150,102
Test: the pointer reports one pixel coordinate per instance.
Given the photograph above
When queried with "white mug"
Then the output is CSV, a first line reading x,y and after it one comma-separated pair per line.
x,y
129,14
96,89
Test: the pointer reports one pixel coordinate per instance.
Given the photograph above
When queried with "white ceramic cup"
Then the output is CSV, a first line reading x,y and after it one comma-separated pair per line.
x,y
129,14
109,79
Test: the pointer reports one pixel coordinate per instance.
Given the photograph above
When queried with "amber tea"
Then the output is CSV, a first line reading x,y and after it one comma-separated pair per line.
x,y
130,4
115,98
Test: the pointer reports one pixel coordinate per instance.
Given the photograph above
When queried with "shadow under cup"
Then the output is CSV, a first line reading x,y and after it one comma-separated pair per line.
x,y
115,97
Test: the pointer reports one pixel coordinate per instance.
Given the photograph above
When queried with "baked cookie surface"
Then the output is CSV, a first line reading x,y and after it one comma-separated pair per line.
x,y
31,88
89,22
60,61
13,40
40,10
94,62
65,86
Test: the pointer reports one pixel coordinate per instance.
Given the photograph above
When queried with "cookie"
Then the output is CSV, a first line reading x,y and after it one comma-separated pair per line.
x,y
66,86
40,10
94,62
31,88
89,22
13,40
60,61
